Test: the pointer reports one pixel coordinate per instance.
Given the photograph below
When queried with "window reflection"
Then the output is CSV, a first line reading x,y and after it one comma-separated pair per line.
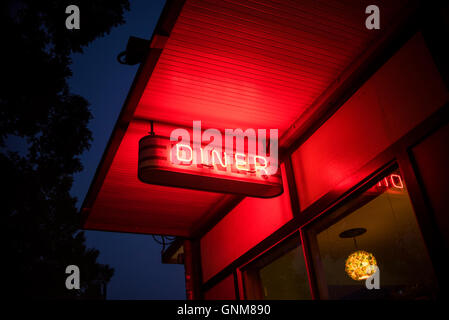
x,y
388,230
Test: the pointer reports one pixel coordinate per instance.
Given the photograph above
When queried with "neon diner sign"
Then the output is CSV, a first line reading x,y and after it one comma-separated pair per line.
x,y
237,169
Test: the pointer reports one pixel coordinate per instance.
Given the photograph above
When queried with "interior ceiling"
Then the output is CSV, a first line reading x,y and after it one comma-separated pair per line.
x,y
231,64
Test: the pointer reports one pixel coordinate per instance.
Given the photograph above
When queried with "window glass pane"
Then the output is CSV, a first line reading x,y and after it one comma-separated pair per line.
x,y
380,222
279,274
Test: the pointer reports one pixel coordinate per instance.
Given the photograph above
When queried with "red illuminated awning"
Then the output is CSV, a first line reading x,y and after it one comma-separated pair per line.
x,y
231,64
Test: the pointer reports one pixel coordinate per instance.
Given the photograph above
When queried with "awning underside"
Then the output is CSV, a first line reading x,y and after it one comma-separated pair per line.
x,y
230,64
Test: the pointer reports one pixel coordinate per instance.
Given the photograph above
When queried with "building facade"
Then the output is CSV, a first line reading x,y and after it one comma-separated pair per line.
x,y
363,120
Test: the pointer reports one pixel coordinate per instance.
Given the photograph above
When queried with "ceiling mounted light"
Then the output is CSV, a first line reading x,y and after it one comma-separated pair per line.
x,y
359,265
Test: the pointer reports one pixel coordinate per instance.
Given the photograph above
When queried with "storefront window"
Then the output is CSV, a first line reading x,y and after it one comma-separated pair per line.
x,y
378,228
279,274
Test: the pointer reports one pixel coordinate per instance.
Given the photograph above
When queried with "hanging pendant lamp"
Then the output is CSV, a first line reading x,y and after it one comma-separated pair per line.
x,y
360,264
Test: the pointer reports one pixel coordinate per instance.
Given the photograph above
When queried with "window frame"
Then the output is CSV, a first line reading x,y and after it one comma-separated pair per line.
x,y
266,257
332,215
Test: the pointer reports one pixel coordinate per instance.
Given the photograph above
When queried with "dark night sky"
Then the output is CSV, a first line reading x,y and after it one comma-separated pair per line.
x,y
97,76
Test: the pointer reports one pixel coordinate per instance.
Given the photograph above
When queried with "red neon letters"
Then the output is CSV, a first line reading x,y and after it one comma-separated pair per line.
x,y
184,154
393,180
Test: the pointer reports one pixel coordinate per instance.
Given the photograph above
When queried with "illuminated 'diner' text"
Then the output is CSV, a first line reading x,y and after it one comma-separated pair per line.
x,y
183,154
248,154
238,162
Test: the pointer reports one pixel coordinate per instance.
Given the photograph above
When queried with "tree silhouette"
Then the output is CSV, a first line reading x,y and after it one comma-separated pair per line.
x,y
38,110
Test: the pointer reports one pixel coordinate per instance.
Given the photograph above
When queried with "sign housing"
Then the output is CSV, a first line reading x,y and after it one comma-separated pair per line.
x,y
170,163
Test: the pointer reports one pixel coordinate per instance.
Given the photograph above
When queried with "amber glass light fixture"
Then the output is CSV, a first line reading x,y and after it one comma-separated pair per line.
x,y
360,264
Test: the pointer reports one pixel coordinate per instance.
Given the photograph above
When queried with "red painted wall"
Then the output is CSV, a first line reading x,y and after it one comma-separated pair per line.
x,y
249,223
401,94
405,91
224,290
